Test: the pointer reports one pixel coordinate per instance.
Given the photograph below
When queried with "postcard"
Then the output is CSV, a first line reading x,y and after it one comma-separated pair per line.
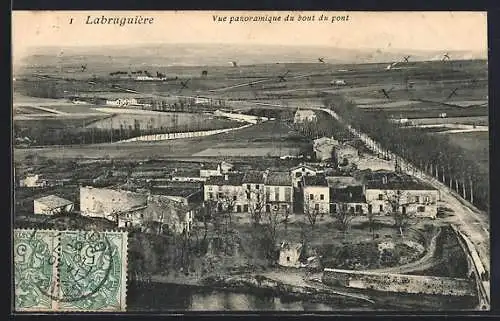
x,y
175,161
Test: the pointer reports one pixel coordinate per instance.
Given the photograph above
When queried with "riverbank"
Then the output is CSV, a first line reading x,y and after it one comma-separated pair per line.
x,y
297,287
278,282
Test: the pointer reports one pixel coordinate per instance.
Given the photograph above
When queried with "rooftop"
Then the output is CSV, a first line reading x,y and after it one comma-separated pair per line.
x,y
53,201
210,166
388,180
279,179
187,173
305,113
351,194
342,181
254,177
234,179
174,191
318,180
291,246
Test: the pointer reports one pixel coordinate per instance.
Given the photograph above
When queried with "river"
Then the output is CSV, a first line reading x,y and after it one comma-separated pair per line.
x,y
169,297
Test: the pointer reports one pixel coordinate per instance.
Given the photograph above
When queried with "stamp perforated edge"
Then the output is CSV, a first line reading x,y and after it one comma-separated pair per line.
x,y
124,269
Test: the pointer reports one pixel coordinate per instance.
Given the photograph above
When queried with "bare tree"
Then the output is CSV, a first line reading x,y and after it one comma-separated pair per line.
x,y
310,213
228,200
371,222
398,200
271,220
256,203
343,217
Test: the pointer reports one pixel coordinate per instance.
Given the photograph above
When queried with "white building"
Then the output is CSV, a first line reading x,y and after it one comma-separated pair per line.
x,y
279,192
107,202
299,171
32,181
52,204
121,102
215,169
304,115
159,215
316,194
290,254
323,148
226,192
414,197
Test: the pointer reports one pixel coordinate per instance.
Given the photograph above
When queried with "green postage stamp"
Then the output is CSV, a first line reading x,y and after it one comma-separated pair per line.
x,y
70,270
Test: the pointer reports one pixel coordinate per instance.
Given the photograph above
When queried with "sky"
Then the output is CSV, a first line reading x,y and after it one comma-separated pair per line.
x,y
447,31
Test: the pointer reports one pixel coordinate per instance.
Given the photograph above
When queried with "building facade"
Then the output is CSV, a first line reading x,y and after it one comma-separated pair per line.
x,y
412,196
303,116
300,171
316,194
279,192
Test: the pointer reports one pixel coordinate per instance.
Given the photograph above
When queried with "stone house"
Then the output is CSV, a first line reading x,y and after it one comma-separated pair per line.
x,y
304,115
290,254
298,172
52,204
279,192
413,196
316,194
161,213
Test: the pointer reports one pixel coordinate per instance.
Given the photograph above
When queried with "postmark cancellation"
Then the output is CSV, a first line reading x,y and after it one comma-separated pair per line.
x,y
70,270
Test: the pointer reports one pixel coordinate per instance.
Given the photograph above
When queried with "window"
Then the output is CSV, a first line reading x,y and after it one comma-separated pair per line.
x,y
288,259
381,208
358,208
210,195
316,207
322,197
417,199
248,195
234,198
298,174
210,188
221,195
311,196
351,209
421,209
257,186
427,199
248,186
245,208
276,193
380,197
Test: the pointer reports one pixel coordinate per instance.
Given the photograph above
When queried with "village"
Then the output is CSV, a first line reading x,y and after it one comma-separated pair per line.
x,y
191,220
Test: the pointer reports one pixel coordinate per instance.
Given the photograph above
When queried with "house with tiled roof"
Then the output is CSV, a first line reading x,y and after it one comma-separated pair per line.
x,y
52,204
415,197
279,192
316,194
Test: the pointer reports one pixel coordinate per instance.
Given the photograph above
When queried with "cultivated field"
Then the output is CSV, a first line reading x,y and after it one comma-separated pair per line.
x,y
419,90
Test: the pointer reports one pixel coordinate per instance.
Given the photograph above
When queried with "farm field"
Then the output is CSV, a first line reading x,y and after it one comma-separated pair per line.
x,y
270,134
304,84
168,121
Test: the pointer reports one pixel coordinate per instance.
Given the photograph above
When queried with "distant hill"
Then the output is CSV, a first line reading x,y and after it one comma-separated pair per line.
x,y
214,55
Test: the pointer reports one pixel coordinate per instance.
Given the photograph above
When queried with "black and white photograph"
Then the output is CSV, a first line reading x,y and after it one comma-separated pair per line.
x,y
306,161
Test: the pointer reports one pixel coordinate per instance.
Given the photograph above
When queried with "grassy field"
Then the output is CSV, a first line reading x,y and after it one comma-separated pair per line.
x,y
169,121
304,85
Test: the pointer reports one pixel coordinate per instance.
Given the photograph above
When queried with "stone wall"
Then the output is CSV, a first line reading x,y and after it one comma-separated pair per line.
x,y
400,283
102,202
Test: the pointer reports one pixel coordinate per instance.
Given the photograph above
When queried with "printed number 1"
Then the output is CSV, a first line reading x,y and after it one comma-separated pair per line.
x,y
71,21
